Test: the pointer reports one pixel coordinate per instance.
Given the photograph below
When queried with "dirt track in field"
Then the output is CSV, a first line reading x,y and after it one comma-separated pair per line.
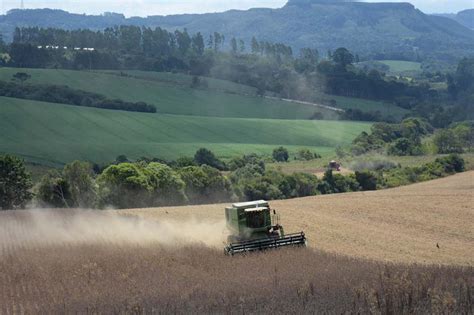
x,y
401,225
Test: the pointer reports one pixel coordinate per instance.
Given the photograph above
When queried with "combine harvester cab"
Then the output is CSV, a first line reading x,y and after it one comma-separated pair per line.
x,y
254,226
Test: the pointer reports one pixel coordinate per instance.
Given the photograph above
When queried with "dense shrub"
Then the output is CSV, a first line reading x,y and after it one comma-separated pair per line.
x,y
124,186
204,156
364,143
337,183
185,162
261,189
167,187
280,154
303,184
377,164
439,168
307,155
367,180
79,177
400,139
464,132
452,163
53,191
404,147
129,185
251,181
205,184
446,141
253,159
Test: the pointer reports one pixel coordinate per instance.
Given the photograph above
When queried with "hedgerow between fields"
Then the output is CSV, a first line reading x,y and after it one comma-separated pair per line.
x,y
151,183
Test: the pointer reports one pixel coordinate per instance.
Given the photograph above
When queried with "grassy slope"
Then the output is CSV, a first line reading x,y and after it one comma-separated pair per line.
x,y
54,133
230,87
398,66
186,80
172,94
172,98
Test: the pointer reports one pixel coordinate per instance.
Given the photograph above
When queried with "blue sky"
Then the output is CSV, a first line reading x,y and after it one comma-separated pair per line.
x,y
164,7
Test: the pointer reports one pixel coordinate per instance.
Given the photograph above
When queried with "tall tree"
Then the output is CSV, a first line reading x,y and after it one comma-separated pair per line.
x,y
79,176
241,46
15,183
234,47
184,41
198,44
218,41
255,46
343,57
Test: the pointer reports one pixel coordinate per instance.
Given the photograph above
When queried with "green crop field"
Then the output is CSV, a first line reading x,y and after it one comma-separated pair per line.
x,y
398,66
54,134
172,98
186,81
230,87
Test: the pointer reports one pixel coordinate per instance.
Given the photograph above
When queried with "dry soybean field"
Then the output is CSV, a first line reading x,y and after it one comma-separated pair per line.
x,y
397,225
369,252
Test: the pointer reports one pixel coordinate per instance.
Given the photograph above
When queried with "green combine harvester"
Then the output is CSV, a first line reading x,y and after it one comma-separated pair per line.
x,y
254,226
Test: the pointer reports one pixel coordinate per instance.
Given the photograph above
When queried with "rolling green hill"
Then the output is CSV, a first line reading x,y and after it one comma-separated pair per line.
x,y
53,134
185,80
171,94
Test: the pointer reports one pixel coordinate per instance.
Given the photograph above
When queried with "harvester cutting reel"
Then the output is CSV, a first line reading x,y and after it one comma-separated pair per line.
x,y
295,239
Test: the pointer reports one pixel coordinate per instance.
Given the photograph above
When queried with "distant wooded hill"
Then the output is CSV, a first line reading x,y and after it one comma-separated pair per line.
x,y
465,17
377,30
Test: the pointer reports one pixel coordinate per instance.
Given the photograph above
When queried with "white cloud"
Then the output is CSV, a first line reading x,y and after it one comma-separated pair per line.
x,y
165,7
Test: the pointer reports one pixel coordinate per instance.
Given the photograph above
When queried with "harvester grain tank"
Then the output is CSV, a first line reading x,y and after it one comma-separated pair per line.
x,y
254,226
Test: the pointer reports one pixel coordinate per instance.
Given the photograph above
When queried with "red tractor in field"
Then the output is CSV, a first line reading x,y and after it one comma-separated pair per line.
x,y
335,165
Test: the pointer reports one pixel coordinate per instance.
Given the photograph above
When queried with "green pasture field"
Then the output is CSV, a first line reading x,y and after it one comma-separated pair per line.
x,y
54,134
186,81
231,87
171,97
399,66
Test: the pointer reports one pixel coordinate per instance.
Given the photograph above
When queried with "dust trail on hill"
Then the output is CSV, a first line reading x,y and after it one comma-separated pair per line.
x,y
49,228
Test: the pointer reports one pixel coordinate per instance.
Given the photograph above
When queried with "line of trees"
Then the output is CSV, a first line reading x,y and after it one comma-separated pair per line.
x,y
147,183
66,95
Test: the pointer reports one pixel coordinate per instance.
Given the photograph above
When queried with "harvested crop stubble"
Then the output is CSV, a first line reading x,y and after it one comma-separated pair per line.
x,y
109,262
397,225
111,278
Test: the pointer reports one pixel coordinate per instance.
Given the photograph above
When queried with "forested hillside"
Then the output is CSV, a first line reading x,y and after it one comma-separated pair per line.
x,y
377,30
465,17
